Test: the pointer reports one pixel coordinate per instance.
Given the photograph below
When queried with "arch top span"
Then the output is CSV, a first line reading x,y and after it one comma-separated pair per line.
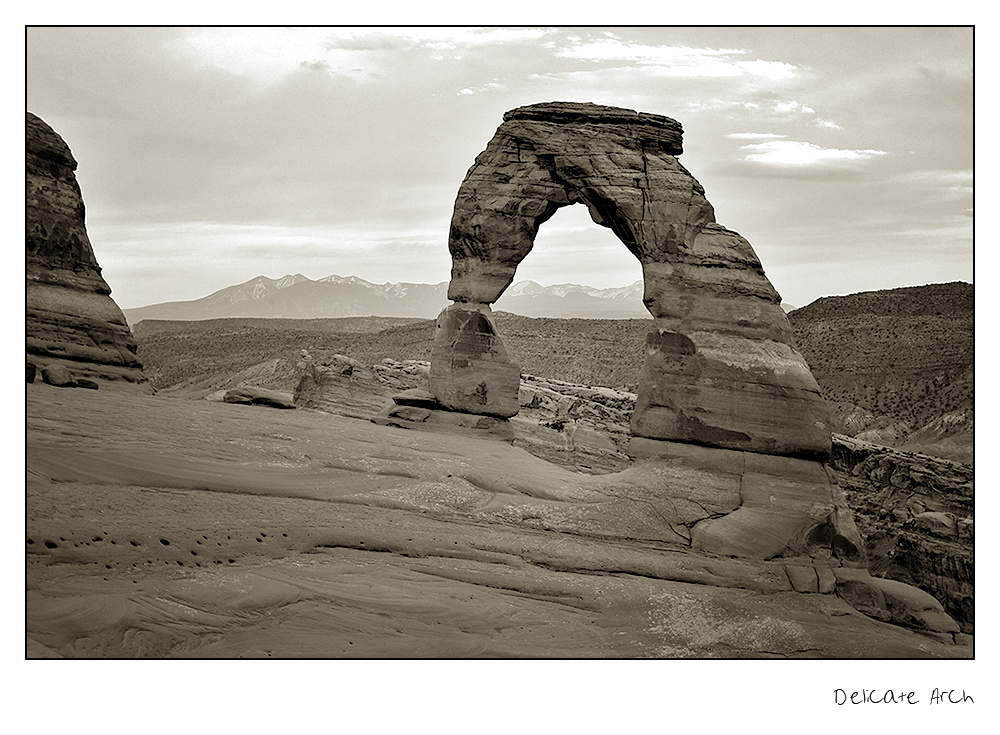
x,y
721,368
621,164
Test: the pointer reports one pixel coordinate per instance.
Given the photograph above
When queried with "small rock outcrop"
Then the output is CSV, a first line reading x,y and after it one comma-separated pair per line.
x,y
721,369
251,395
339,384
71,319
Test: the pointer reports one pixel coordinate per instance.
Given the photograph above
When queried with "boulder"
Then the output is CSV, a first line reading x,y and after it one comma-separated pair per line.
x,y
30,371
894,602
70,317
471,371
721,366
59,376
936,523
438,421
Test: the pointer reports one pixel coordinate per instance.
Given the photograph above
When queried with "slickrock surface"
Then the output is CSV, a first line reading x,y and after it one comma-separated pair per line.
x,y
71,319
158,526
720,369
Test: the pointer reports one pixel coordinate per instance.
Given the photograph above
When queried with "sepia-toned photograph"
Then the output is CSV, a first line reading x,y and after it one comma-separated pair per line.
x,y
558,343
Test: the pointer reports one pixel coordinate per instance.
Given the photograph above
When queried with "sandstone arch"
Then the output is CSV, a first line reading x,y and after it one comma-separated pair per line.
x,y
721,369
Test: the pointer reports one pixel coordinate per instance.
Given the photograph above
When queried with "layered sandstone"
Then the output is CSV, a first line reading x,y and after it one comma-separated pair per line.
x,y
721,369
70,319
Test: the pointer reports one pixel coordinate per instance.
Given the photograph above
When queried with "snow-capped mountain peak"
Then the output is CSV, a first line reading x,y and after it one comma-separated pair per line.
x,y
286,281
350,280
524,288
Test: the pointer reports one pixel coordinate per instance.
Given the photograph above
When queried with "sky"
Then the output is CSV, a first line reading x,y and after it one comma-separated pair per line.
x,y
211,155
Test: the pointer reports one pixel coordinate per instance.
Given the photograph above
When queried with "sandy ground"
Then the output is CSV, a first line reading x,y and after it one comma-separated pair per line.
x,y
163,527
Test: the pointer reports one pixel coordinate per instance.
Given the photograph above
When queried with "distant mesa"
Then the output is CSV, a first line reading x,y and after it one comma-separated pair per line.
x,y
721,369
71,319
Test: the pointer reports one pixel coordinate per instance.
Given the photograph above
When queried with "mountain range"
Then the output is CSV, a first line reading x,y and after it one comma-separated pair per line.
x,y
298,297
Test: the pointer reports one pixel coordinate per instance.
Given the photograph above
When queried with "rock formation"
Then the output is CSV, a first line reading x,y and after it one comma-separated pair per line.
x,y
71,319
251,395
471,371
915,514
720,369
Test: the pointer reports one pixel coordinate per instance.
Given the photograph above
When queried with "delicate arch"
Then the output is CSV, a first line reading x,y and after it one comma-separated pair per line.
x,y
720,369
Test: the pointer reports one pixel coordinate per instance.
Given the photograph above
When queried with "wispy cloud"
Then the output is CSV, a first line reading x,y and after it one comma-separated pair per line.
x,y
488,87
773,110
680,61
456,37
797,154
755,136
958,180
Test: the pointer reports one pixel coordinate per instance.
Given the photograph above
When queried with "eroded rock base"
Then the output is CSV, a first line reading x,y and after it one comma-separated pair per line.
x,y
781,506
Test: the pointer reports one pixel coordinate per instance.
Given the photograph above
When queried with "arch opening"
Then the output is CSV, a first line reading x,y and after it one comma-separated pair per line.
x,y
570,248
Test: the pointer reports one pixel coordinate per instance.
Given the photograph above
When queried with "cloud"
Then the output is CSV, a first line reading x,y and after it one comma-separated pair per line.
x,y
829,124
678,61
755,136
456,37
269,55
487,87
957,180
798,154
772,110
